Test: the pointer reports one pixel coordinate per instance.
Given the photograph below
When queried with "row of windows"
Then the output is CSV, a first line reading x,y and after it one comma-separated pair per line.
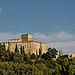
x,y
19,44
25,46
15,44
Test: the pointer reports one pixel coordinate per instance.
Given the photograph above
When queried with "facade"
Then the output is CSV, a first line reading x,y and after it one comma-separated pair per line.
x,y
70,55
30,45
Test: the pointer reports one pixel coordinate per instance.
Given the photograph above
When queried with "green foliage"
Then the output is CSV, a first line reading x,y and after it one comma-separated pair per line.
x,y
43,69
21,64
46,56
66,67
51,64
10,68
53,52
33,56
17,58
71,69
40,61
58,70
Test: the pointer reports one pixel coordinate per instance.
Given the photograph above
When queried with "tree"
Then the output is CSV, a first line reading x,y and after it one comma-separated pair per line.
x,y
25,57
46,56
58,70
53,52
16,49
8,50
21,50
63,68
40,53
33,56
3,47
71,69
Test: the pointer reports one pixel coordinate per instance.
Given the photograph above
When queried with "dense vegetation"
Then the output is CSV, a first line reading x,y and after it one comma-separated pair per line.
x,y
22,64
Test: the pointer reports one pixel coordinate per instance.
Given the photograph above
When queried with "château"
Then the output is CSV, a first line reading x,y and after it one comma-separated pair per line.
x,y
30,45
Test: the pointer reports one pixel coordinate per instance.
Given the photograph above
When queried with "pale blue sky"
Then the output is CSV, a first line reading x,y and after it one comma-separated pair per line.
x,y
50,18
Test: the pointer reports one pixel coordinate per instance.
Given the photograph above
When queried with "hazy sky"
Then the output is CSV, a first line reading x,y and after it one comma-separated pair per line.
x,y
50,21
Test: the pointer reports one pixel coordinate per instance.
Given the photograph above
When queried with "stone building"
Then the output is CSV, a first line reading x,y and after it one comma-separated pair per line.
x,y
61,53
30,44
70,55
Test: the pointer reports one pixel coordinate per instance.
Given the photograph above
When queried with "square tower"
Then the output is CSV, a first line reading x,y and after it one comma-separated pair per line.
x,y
26,37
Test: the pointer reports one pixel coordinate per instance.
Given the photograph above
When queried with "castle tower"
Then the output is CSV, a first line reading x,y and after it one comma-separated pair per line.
x,y
26,37
61,53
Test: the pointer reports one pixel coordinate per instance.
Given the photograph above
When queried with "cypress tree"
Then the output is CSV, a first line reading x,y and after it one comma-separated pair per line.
x,y
40,53
8,50
16,49
21,50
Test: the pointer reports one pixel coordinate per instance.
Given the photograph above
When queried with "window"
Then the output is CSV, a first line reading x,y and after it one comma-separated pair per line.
x,y
30,46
